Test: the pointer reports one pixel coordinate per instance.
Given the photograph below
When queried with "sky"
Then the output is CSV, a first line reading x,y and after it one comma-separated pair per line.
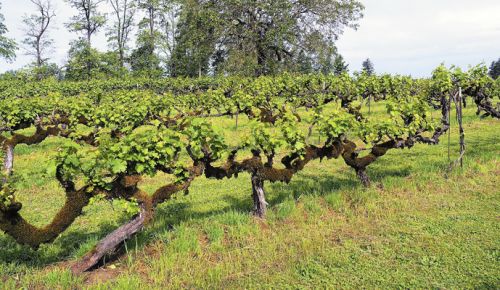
x,y
415,36
400,36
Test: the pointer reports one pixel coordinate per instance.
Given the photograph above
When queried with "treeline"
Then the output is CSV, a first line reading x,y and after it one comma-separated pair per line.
x,y
190,38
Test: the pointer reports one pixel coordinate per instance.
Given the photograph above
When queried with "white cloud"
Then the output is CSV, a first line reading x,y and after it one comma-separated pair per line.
x,y
412,37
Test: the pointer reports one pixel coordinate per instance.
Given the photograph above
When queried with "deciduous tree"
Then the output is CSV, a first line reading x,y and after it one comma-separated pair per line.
x,y
268,32
37,42
169,16
87,22
119,31
8,46
144,59
87,63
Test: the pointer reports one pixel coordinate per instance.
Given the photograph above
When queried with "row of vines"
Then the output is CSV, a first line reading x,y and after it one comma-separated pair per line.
x,y
116,132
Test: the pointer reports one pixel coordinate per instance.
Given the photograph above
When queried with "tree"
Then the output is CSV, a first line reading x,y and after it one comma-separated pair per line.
x,y
33,73
314,56
339,65
8,46
36,42
47,70
195,40
262,35
495,69
86,62
326,64
304,63
368,67
169,22
82,61
118,33
144,59
88,20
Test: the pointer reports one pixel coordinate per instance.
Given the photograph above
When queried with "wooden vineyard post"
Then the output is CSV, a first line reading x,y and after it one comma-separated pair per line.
x,y
459,107
458,100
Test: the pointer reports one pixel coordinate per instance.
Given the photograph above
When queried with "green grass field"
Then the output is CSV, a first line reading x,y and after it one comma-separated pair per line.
x,y
412,229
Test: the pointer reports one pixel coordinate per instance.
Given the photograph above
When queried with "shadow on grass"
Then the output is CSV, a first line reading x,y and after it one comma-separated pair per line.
x,y
171,214
71,244
65,246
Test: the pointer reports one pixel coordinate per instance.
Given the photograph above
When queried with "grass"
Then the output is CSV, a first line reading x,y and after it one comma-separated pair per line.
x,y
412,229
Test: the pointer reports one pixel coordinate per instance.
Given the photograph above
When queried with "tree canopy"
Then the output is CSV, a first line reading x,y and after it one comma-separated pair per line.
x,y
7,46
198,37
263,36
495,69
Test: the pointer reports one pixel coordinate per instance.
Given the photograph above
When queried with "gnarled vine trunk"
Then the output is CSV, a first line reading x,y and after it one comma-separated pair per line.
x,y
111,242
259,197
363,177
8,161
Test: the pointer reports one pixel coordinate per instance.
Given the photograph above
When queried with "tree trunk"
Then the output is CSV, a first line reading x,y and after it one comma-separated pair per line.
x,y
259,198
363,177
122,56
89,64
110,243
151,11
38,53
261,61
8,162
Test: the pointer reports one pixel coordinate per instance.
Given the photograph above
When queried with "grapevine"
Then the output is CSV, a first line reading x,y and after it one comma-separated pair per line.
x,y
118,131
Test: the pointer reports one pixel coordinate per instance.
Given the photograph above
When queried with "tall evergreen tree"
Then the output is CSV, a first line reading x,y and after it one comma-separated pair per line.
x,y
195,41
339,65
495,69
304,63
368,67
326,63
144,61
